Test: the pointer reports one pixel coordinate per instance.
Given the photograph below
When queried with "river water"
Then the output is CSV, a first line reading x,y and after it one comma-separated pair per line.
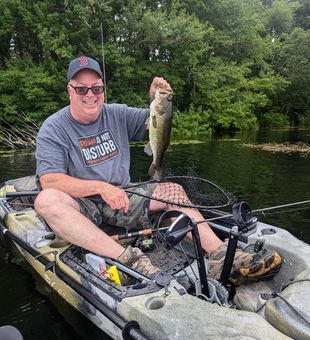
x,y
261,178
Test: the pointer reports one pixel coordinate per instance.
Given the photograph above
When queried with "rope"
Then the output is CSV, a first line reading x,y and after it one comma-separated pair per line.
x,y
290,283
274,295
293,308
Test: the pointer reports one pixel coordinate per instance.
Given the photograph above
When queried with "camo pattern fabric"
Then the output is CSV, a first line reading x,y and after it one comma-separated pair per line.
x,y
137,216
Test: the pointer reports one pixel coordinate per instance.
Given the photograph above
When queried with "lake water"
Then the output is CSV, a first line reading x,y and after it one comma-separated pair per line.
x,y
261,178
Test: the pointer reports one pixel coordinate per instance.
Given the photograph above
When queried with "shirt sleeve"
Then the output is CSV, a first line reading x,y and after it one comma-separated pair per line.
x,y
137,123
51,150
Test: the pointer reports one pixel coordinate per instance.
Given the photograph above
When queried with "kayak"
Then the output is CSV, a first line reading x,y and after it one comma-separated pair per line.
x,y
180,302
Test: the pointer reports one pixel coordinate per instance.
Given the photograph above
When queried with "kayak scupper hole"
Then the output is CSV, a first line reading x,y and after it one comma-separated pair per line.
x,y
155,303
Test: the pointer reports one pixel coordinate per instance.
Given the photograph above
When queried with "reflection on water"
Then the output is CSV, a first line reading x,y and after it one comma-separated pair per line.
x,y
260,178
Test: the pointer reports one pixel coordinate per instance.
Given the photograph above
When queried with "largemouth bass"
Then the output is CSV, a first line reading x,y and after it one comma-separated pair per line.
x,y
160,122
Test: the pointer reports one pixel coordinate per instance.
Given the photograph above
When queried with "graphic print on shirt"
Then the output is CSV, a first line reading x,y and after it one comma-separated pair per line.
x,y
98,148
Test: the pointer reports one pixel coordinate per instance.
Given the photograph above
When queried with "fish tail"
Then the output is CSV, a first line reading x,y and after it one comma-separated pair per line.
x,y
155,172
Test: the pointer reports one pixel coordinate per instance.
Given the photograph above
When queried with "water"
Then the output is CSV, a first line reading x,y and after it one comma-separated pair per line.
x,y
259,177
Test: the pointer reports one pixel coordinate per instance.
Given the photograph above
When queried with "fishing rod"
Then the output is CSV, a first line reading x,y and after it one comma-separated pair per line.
x,y
4,194
256,211
130,329
280,206
103,66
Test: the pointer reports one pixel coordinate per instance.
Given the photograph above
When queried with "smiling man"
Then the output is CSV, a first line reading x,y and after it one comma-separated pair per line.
x,y
85,89
83,161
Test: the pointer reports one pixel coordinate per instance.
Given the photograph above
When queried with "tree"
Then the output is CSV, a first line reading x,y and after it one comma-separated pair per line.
x,y
294,65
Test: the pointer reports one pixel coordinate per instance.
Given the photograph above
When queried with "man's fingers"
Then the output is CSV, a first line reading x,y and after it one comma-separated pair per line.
x,y
158,81
126,205
120,203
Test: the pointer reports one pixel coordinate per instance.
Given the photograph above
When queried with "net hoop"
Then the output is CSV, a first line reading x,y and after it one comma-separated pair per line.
x,y
228,200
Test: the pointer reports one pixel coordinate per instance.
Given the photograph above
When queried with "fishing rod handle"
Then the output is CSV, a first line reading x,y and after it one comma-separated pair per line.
x,y
134,234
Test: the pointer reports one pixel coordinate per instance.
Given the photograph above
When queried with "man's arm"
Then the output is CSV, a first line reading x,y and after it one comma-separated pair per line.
x,y
112,195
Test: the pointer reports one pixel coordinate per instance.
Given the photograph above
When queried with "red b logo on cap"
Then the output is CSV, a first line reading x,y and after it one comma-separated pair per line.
x,y
83,61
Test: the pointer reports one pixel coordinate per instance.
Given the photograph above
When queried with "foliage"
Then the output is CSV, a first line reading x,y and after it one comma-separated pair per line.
x,y
24,84
233,64
195,120
295,66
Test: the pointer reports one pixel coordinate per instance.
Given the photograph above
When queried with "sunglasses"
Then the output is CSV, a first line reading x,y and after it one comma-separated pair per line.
x,y
83,90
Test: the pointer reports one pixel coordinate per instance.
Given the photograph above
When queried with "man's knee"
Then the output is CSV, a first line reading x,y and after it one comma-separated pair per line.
x,y
43,200
49,199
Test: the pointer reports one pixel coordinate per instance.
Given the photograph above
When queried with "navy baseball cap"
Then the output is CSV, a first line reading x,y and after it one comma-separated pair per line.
x,y
82,63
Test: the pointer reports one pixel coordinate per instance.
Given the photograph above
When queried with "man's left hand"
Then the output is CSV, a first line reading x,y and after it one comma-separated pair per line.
x,y
158,82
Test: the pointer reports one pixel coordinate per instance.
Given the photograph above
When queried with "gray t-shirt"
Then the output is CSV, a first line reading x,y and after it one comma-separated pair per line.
x,y
95,151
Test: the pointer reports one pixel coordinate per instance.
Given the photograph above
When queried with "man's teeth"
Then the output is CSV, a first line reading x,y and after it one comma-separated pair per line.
x,y
90,103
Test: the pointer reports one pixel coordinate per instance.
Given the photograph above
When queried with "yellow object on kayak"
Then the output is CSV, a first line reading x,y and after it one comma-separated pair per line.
x,y
112,274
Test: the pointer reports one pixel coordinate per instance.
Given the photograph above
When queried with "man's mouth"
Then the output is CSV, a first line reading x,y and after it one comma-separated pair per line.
x,y
90,103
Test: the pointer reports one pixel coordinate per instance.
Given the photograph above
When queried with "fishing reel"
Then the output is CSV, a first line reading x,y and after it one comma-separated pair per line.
x,y
243,216
146,243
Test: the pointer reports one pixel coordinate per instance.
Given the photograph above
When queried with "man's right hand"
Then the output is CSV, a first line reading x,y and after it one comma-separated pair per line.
x,y
112,195
115,197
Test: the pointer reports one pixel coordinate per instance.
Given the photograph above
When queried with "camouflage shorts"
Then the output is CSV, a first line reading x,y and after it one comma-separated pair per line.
x,y
137,216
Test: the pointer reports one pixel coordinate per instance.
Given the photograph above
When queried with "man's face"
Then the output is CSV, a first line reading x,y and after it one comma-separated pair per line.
x,y
85,108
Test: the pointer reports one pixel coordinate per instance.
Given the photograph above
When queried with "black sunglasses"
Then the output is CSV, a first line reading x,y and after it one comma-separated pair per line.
x,y
83,90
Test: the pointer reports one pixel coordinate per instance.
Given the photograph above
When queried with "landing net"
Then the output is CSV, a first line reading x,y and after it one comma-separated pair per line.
x,y
200,194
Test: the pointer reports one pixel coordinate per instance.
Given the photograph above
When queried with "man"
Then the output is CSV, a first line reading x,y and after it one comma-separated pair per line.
x,y
83,160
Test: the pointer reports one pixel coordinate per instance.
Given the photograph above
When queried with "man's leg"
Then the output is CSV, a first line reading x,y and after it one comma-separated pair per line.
x,y
246,267
62,214
209,240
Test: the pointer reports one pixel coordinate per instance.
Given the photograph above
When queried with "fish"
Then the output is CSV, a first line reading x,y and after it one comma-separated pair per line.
x,y
160,123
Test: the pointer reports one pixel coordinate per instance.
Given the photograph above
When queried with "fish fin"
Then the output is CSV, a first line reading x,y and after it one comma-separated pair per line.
x,y
155,173
147,121
148,149
152,170
169,148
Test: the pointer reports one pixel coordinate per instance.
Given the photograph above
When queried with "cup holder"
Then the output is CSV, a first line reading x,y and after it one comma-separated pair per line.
x,y
155,303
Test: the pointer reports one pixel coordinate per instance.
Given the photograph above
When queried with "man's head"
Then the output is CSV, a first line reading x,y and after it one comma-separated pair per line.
x,y
85,78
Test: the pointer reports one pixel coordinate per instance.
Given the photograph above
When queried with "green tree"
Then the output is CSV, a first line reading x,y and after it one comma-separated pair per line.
x,y
294,65
280,16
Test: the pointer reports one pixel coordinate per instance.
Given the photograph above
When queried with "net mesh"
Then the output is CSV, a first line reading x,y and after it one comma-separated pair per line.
x,y
184,188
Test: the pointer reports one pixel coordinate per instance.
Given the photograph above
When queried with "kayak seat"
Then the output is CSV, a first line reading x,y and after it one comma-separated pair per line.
x,y
27,184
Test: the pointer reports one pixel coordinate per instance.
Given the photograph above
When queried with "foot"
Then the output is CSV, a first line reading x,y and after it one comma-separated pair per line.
x,y
134,258
246,267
